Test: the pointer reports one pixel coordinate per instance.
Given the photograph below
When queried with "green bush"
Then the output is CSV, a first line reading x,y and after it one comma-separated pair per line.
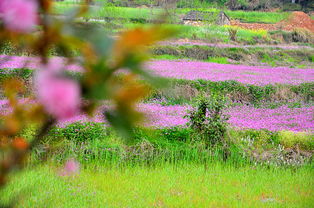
x,y
208,120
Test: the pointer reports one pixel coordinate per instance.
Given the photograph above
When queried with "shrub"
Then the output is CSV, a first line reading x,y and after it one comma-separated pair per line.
x,y
208,120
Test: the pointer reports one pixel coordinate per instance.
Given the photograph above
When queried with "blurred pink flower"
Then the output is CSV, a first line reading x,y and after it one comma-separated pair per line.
x,y
19,15
71,167
59,95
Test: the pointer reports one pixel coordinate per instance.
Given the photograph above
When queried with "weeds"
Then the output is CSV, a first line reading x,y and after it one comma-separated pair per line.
x,y
232,33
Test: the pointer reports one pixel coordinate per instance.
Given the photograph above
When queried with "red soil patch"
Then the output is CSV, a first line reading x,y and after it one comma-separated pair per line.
x,y
295,20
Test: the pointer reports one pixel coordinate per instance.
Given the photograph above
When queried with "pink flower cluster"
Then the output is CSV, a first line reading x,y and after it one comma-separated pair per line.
x,y
19,15
59,95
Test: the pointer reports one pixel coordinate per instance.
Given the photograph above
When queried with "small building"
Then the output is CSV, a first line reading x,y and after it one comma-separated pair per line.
x,y
199,17
222,19
196,18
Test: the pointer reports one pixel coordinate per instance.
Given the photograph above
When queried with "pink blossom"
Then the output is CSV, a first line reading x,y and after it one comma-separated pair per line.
x,y
19,15
60,96
71,167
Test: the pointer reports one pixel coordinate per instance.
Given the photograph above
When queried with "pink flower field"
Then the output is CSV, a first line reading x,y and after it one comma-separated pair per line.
x,y
243,117
193,70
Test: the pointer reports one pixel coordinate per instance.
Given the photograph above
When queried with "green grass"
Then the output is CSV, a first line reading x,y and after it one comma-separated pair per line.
x,y
159,168
258,16
126,13
219,60
211,33
168,186
146,13
166,57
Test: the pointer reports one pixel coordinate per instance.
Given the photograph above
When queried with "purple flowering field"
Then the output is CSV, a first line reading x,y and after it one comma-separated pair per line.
x,y
192,70
243,117
255,75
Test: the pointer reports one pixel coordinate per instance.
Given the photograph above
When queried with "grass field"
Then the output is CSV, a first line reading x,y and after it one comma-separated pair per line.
x,y
147,13
211,33
167,186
